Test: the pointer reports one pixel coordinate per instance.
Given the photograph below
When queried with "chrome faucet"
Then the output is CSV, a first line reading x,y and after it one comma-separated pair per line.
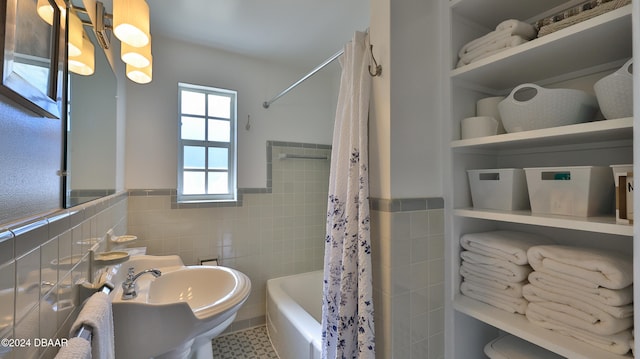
x,y
129,285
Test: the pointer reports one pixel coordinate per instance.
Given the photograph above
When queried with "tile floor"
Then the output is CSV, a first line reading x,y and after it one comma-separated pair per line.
x,y
252,343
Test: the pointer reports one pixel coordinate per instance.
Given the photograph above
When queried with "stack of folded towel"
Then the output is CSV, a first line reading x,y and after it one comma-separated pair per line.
x,y
507,34
495,267
583,293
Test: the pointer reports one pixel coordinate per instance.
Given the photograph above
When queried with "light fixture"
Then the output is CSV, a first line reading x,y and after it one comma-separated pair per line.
x,y
45,11
130,25
75,34
83,64
141,75
136,56
131,22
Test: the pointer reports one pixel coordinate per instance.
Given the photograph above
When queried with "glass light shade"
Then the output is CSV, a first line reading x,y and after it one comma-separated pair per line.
x,y
141,75
75,35
45,11
84,64
131,22
136,56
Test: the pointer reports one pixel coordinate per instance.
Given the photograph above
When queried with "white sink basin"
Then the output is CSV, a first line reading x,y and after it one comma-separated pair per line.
x,y
171,311
207,290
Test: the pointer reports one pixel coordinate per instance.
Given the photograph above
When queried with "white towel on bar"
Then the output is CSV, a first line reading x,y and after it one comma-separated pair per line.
x,y
500,268
587,266
76,348
508,288
508,245
617,343
493,298
597,319
613,297
97,314
505,29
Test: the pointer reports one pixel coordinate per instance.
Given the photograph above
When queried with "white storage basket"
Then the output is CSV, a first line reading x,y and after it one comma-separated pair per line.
x,y
501,189
580,191
531,107
615,93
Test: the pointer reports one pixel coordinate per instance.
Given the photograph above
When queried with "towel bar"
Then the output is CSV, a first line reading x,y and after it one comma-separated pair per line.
x,y
85,331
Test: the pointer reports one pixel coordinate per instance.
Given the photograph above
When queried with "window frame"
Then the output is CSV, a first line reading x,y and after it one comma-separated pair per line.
x,y
232,188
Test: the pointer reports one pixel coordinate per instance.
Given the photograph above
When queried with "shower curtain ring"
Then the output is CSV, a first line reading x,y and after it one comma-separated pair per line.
x,y
378,68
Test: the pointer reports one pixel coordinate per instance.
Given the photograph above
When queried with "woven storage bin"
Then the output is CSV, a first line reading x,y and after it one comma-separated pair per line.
x,y
615,93
531,107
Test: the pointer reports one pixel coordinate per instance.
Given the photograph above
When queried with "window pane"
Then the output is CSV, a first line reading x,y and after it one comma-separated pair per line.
x,y
219,106
192,103
193,157
193,183
218,158
192,128
219,130
218,182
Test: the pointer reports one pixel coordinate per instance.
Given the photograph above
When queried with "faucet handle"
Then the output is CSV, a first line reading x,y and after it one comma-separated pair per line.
x,y
131,273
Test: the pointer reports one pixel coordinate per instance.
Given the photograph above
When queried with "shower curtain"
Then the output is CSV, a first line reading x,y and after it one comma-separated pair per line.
x,y
347,306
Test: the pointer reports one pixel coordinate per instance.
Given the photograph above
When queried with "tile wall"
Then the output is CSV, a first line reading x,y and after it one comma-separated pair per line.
x,y
41,261
407,238
271,232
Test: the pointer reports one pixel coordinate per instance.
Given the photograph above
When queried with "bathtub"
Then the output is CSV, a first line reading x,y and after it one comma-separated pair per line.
x,y
294,311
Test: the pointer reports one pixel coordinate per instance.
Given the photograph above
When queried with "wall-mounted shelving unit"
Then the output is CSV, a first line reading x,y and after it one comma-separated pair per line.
x,y
574,57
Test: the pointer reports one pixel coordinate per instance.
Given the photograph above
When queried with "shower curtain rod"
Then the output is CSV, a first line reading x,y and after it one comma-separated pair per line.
x,y
326,62
377,70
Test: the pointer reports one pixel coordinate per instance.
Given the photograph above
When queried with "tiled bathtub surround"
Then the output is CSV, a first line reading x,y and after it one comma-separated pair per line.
x,y
271,232
40,261
407,238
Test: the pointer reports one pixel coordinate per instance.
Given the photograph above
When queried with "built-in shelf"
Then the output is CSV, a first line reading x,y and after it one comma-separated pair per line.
x,y
599,131
489,13
520,326
561,53
605,224
573,57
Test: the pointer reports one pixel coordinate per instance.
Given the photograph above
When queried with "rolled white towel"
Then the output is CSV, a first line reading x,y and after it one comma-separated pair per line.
x,y
493,298
617,343
586,266
508,245
502,269
612,297
512,289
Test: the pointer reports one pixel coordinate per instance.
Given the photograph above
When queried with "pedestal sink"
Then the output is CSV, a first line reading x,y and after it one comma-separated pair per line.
x,y
177,314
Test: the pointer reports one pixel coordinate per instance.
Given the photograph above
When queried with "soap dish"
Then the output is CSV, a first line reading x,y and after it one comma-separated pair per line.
x,y
124,239
108,258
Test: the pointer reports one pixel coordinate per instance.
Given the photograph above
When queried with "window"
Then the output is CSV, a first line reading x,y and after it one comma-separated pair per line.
x,y
207,144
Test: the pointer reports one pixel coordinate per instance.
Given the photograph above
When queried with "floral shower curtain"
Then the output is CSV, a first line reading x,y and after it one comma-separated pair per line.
x,y
347,306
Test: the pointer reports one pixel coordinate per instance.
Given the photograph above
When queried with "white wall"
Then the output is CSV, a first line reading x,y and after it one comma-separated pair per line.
x,y
415,127
405,155
306,114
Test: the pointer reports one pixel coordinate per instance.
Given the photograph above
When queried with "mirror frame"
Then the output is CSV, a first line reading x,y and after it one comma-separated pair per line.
x,y
19,89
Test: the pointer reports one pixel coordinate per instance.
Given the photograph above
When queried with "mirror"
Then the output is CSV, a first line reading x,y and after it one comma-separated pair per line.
x,y
91,132
29,46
